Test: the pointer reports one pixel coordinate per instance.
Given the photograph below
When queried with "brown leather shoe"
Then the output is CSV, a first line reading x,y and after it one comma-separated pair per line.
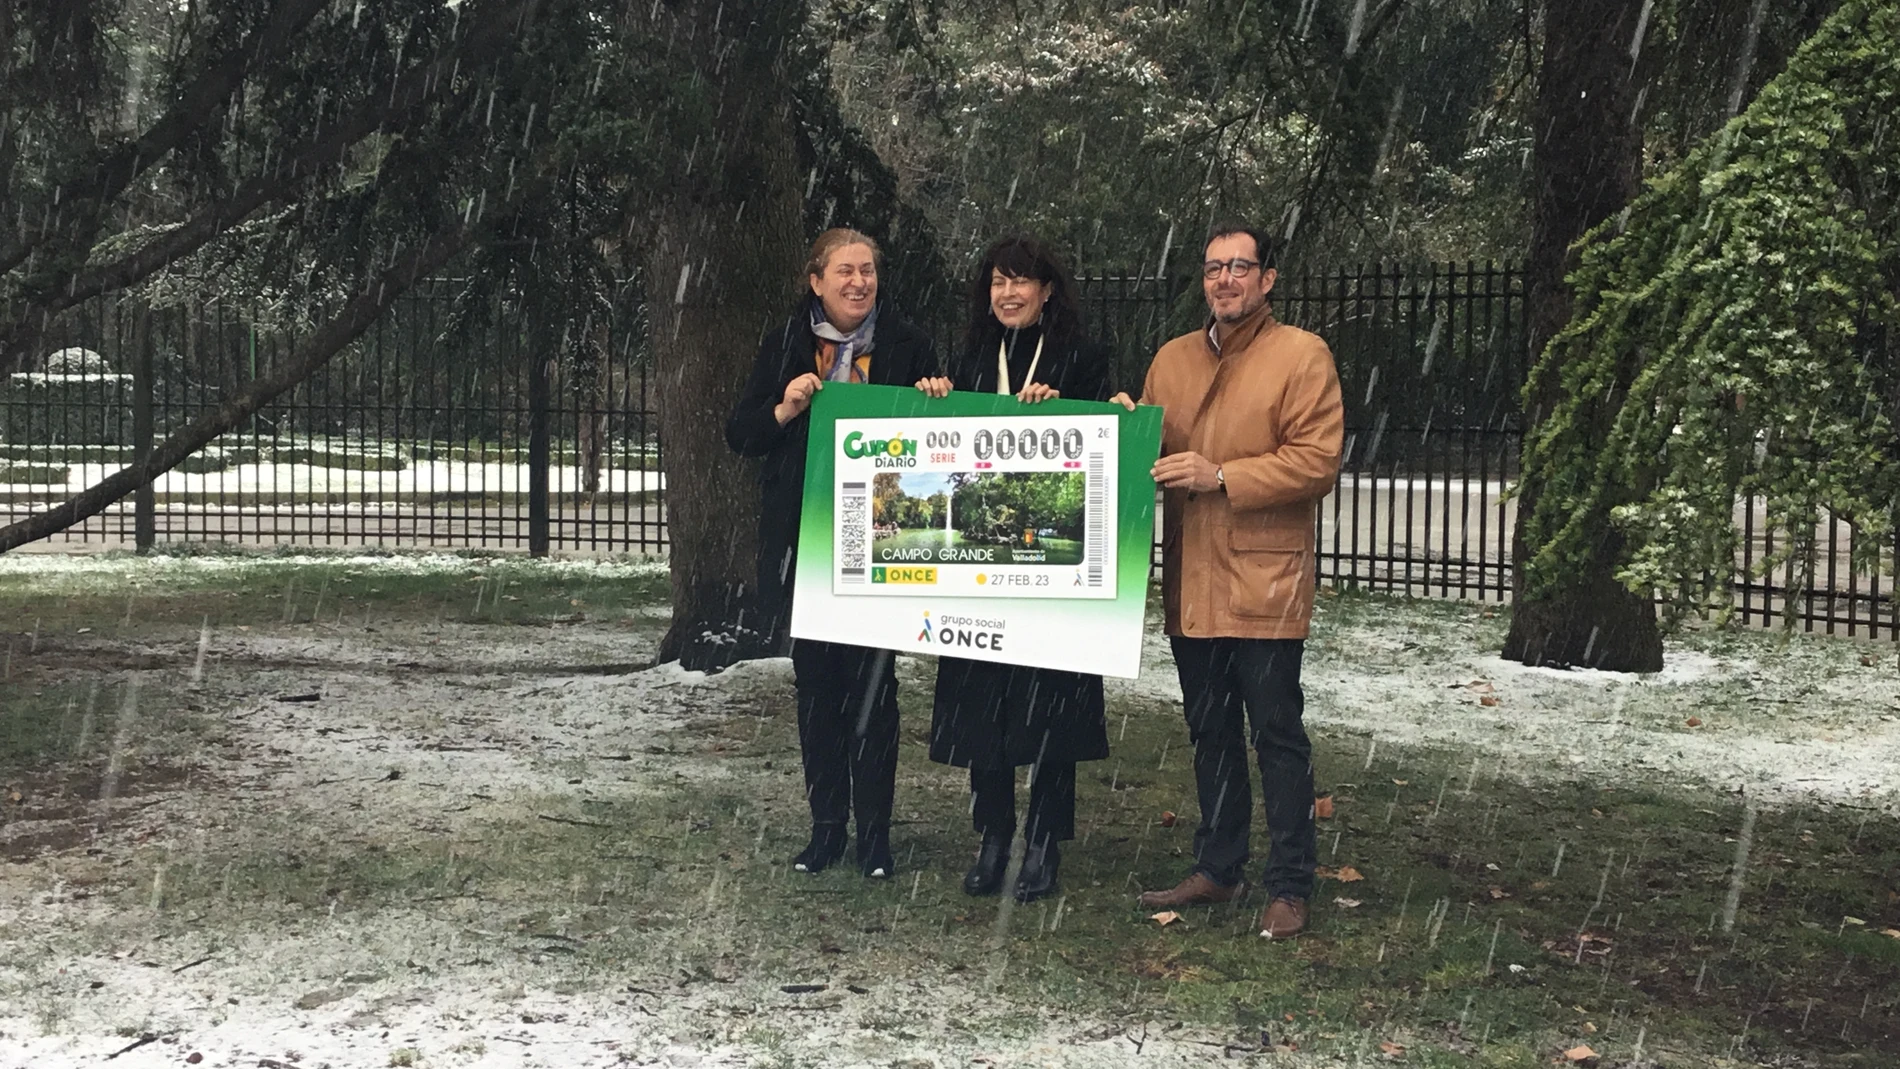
x,y
1197,890
1284,918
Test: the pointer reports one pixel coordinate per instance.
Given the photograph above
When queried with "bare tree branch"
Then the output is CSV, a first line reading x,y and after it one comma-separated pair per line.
x,y
357,315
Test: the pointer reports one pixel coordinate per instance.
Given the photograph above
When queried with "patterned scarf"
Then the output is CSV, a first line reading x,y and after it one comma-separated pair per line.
x,y
843,357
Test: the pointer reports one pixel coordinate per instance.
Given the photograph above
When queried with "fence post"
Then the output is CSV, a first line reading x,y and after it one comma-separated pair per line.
x,y
539,390
144,500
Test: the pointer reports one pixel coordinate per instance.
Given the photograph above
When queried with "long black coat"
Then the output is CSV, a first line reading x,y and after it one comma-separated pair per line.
x,y
1003,716
900,355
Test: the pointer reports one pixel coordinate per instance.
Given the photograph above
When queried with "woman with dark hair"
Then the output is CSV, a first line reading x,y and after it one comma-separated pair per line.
x,y
847,695
1024,340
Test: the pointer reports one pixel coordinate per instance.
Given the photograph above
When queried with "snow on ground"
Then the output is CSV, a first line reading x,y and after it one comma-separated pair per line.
x,y
1807,717
93,964
453,732
86,564
419,477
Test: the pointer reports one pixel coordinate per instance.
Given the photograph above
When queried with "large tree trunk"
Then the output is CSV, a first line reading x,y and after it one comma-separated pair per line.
x,y
1587,165
724,251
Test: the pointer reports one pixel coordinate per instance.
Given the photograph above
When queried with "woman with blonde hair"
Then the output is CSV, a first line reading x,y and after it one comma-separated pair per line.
x,y
847,695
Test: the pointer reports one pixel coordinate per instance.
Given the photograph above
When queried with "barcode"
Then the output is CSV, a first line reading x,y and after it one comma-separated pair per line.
x,y
1096,534
852,502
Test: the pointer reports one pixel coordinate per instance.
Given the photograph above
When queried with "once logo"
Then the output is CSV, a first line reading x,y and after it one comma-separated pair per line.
x,y
911,576
974,634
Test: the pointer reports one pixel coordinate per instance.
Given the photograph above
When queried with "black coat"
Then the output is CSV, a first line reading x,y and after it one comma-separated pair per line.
x,y
900,355
998,715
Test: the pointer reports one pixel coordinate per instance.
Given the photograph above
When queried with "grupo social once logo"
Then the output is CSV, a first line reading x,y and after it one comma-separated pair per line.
x,y
965,631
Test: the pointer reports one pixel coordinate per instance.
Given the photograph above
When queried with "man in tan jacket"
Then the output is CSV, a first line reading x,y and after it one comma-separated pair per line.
x,y
1251,437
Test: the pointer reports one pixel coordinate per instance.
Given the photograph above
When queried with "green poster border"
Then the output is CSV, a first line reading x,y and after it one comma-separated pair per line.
x,y
1140,444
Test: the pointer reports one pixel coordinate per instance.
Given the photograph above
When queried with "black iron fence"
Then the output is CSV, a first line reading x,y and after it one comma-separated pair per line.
x,y
439,427
442,428
1431,361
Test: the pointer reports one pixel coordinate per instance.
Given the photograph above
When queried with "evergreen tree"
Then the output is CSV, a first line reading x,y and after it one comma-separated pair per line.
x,y
1736,335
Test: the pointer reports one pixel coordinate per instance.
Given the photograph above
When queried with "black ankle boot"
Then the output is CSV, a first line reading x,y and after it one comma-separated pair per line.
x,y
824,850
874,852
1038,876
992,860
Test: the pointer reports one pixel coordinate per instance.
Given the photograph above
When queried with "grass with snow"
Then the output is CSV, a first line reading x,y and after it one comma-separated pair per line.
x,y
494,834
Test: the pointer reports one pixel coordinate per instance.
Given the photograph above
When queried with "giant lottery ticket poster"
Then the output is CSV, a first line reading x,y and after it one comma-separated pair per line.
x,y
977,526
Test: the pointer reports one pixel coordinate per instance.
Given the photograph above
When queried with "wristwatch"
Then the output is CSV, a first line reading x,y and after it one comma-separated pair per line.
x,y
1220,479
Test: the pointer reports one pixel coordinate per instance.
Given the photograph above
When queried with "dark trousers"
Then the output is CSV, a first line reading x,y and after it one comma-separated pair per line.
x,y
1051,816
1221,677
847,730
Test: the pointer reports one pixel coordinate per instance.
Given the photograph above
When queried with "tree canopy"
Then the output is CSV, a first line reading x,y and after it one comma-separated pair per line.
x,y
1742,315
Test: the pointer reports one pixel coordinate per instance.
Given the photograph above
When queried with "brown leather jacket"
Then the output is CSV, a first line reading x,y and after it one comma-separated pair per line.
x,y
1266,408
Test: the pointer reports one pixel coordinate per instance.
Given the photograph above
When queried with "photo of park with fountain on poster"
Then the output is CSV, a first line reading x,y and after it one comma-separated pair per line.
x,y
1022,517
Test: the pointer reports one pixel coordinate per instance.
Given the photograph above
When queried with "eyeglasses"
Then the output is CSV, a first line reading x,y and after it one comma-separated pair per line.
x,y
1240,268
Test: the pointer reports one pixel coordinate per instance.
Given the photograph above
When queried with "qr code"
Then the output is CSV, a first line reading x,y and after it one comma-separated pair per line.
x,y
852,503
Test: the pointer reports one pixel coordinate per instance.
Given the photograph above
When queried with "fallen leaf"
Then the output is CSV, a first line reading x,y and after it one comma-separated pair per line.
x,y
1401,782
1390,1049
1488,699
1580,1055
1344,873
1347,903
1323,807
1853,920
1481,686
1891,933
1590,1027
1499,892
323,996
1165,919
1694,721
1167,818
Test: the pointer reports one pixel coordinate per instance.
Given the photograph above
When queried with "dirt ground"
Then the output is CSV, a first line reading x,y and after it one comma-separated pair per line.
x,y
434,811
